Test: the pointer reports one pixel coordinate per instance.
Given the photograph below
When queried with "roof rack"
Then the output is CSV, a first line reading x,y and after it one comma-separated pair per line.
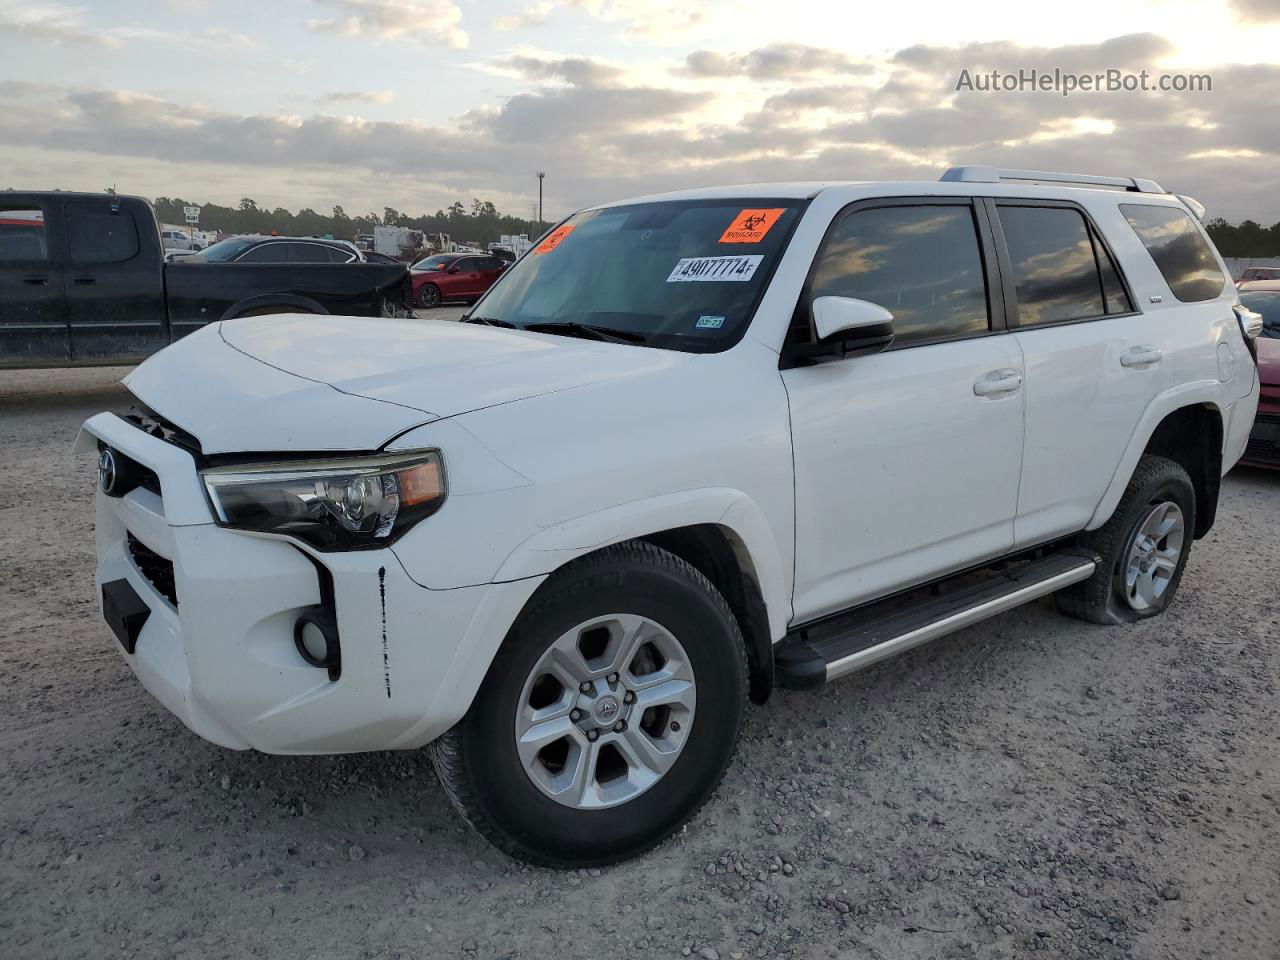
x,y
984,174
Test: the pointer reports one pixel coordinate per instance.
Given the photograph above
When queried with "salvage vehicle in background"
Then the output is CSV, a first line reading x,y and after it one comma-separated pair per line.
x,y
262,248
687,448
1263,297
454,276
83,281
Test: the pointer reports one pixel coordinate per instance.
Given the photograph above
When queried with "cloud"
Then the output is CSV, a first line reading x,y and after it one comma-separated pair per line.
x,y
65,25
583,71
602,132
358,96
777,61
51,22
534,15
1257,11
429,21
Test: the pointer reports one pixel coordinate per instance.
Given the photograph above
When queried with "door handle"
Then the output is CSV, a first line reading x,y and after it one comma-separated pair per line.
x,y
997,383
36,281
1139,357
85,281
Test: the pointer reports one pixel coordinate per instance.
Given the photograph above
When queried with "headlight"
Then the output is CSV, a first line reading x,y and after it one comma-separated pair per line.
x,y
330,504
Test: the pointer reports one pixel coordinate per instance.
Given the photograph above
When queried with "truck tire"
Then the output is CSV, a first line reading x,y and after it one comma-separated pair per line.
x,y
1144,548
608,716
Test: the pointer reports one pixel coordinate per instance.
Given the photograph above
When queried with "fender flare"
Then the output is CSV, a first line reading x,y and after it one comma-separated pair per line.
x,y
731,510
1194,393
256,302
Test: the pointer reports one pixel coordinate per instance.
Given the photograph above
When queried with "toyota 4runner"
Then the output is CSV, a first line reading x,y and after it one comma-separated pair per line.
x,y
688,448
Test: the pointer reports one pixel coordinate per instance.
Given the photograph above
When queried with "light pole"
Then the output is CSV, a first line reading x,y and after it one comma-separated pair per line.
x,y
541,174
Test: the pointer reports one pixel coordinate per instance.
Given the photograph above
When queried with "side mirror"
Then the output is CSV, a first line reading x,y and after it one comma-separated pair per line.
x,y
845,327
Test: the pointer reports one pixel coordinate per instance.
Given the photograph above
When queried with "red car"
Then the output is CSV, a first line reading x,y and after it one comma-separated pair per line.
x,y
1263,296
453,276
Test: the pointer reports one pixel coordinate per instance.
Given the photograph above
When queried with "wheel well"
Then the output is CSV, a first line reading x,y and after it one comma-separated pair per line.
x,y
720,557
1192,437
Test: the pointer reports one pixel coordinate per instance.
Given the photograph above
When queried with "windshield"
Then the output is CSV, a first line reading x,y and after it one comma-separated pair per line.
x,y
222,251
438,262
685,275
1267,303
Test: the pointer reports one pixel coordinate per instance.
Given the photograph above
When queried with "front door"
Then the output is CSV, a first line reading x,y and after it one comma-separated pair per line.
x,y
115,287
907,461
33,308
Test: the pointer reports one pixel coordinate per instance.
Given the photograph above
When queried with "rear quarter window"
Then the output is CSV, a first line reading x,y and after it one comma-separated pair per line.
x,y
1179,250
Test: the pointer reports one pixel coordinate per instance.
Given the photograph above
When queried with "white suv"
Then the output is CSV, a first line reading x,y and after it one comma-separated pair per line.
x,y
688,448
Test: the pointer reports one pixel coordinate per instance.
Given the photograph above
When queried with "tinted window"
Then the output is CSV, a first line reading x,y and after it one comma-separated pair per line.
x,y
266,253
96,234
22,234
440,261
922,263
466,264
1179,250
1267,303
1054,268
338,255
1113,291
308,253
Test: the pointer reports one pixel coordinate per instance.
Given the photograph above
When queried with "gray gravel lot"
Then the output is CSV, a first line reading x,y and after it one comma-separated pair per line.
x,y
1032,784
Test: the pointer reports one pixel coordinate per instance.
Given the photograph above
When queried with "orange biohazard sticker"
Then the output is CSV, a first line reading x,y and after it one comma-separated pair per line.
x,y
750,226
553,239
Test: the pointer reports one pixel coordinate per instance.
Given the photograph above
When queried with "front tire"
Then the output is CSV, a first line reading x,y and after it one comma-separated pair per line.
x,y
1144,548
429,296
608,716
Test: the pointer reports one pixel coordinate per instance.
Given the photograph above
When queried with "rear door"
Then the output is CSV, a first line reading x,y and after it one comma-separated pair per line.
x,y
33,309
1093,360
115,283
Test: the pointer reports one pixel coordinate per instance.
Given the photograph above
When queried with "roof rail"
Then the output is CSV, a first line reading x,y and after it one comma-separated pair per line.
x,y
984,174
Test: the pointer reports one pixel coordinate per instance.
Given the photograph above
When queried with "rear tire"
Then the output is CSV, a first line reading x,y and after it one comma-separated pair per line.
x,y
551,773
1144,548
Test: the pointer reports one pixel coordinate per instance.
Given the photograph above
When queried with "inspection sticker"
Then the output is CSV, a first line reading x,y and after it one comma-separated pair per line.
x,y
554,238
750,226
691,269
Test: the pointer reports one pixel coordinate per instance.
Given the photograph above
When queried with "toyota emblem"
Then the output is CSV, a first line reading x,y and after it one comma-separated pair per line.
x,y
106,471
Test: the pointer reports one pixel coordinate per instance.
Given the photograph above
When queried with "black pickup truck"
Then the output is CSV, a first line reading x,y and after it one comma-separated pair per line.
x,y
83,282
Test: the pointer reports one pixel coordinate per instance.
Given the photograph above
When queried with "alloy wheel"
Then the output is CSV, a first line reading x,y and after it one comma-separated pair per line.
x,y
606,711
1153,555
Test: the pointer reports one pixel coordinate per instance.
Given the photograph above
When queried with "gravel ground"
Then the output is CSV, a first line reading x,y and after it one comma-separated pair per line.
x,y
1032,784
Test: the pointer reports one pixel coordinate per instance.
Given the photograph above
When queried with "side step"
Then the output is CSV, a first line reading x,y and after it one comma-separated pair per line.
x,y
838,645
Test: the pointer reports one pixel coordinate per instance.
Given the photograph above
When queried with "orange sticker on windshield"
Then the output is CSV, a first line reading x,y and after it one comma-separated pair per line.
x,y
750,226
553,239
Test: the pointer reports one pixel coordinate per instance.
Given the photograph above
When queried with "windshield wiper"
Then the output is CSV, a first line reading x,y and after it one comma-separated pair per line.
x,y
587,331
488,321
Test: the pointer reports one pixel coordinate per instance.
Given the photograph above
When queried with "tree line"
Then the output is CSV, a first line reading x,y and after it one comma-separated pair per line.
x,y
480,225
1247,239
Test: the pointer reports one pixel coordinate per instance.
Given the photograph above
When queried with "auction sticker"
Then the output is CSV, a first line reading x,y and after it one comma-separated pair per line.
x,y
691,269
750,226
553,239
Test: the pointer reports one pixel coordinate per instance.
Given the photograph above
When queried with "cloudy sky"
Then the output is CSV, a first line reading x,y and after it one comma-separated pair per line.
x,y
416,103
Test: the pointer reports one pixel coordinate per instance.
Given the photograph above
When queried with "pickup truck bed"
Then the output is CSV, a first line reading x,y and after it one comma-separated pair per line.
x,y
83,282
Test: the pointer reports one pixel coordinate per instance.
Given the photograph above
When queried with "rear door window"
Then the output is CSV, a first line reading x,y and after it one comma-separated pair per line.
x,y
22,234
1061,271
266,253
1179,250
308,253
100,231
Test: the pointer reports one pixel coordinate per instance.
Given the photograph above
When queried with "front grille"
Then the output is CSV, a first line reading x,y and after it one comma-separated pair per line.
x,y
157,570
1262,451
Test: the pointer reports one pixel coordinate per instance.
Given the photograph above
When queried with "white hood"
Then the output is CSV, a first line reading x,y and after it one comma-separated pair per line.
x,y
314,383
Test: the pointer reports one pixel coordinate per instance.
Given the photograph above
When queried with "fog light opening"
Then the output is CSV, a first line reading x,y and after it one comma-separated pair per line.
x,y
315,635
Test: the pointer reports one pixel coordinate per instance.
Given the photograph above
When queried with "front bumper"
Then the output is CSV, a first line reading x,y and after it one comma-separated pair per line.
x,y
220,653
1264,439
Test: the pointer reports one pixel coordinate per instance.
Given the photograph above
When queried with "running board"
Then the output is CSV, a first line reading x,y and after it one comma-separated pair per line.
x,y
839,645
